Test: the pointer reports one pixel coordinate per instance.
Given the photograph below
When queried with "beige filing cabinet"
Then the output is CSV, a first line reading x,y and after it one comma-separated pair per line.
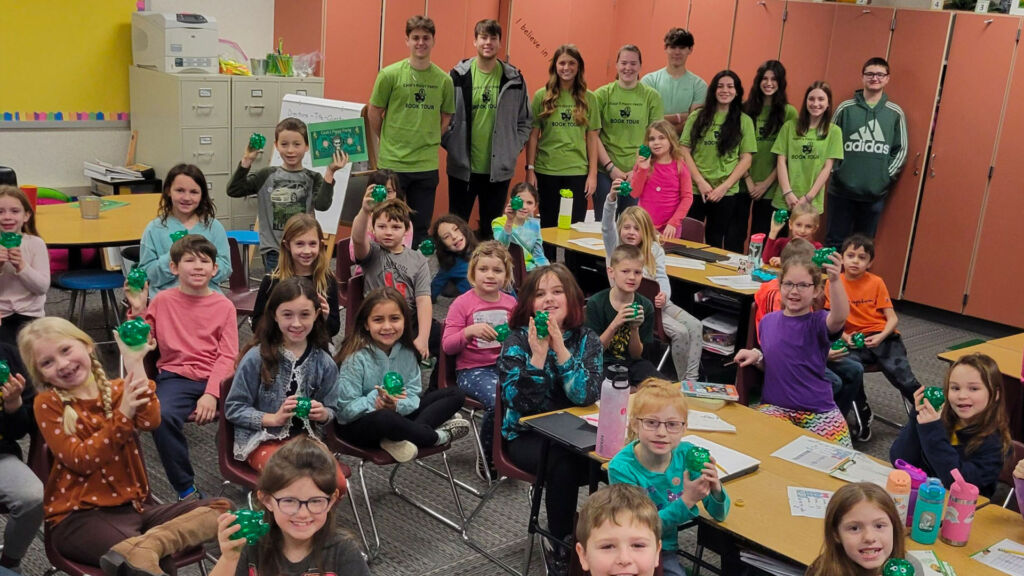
x,y
206,120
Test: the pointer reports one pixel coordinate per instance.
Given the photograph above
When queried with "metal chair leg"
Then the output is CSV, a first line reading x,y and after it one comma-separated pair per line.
x,y
664,357
81,308
71,306
106,308
479,449
373,551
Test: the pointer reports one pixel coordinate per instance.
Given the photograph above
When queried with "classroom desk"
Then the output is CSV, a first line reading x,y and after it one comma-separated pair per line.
x,y
62,225
991,524
1008,353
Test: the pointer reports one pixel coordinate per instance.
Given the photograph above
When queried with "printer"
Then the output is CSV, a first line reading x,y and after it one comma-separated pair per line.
x,y
175,43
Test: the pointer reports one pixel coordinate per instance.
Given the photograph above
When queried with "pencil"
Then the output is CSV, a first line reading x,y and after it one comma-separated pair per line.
x,y
724,471
1014,552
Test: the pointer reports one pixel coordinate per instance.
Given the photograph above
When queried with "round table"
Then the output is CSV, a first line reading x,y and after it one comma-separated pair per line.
x,y
62,225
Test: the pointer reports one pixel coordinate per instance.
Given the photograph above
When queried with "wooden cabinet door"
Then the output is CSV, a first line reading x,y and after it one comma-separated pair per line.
x,y
757,36
644,23
805,45
711,23
347,77
998,262
858,33
977,71
915,66
455,20
392,34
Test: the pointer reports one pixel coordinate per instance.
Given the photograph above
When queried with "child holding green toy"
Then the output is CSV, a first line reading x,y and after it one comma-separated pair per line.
x,y
24,265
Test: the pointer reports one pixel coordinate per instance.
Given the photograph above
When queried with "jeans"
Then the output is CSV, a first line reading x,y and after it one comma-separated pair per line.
x,y
270,259
492,195
420,189
604,187
891,357
847,217
418,427
178,396
21,493
847,378
670,564
481,384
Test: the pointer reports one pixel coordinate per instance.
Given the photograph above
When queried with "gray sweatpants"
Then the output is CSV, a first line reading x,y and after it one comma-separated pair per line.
x,y
22,493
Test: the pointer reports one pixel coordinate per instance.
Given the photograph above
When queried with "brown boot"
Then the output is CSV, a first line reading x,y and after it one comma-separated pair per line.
x,y
140,555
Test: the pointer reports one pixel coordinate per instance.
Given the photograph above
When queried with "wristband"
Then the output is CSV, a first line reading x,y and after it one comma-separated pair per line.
x,y
606,166
529,167
788,193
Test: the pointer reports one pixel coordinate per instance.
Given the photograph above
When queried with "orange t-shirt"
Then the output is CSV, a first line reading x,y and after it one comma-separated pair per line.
x,y
868,297
768,300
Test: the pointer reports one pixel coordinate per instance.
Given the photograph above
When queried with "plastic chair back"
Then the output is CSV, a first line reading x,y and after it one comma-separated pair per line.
x,y
234,471
343,269
749,378
518,264
355,300
692,230
650,289
502,463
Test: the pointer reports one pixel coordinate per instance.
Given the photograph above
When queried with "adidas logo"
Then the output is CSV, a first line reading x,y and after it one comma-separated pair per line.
x,y
868,139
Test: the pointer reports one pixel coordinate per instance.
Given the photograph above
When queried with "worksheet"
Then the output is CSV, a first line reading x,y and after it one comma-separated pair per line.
x,y
591,243
815,454
809,502
1006,556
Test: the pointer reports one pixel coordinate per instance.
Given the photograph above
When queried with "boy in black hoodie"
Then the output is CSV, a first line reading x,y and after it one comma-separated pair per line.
x,y
875,148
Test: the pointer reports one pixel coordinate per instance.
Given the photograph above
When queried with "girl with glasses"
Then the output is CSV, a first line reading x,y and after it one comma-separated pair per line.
x,y
655,460
795,342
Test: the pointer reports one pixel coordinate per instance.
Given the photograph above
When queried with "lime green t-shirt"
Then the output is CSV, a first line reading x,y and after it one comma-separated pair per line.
x,y
625,116
562,149
713,167
413,101
678,95
764,161
485,107
805,157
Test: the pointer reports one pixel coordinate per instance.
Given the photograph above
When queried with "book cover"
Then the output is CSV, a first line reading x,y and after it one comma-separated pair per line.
x,y
710,390
348,135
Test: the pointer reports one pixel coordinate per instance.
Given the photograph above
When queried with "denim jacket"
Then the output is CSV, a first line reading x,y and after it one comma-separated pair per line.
x,y
249,399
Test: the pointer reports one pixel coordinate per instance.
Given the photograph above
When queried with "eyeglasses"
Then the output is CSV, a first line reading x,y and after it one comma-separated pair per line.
x,y
671,426
291,506
878,75
802,286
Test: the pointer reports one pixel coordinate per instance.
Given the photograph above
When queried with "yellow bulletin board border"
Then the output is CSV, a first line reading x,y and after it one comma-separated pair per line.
x,y
65,56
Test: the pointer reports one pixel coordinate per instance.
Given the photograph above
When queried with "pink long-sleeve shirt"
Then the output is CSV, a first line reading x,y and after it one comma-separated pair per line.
x,y
665,191
25,292
469,309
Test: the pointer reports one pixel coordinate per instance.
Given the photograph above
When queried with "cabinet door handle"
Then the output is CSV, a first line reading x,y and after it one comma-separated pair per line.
x,y
917,164
260,106
931,167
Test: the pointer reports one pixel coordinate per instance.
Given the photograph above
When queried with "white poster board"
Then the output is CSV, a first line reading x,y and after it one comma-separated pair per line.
x,y
310,110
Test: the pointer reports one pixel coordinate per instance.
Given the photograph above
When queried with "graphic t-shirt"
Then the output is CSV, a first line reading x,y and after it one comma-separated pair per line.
x,y
485,107
406,272
625,116
678,95
340,558
713,167
600,314
806,156
413,101
764,160
562,148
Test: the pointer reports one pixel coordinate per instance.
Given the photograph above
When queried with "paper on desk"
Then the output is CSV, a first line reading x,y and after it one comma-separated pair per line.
x,y
809,502
591,227
681,262
739,281
589,243
1006,556
696,421
926,563
814,454
862,468
769,564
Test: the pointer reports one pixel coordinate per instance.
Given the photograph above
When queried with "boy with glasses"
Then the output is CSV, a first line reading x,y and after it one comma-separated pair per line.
x,y
875,150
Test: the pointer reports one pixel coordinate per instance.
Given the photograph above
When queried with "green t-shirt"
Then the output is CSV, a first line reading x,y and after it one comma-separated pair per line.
x,y
562,149
485,107
713,167
764,161
678,95
413,101
625,116
806,156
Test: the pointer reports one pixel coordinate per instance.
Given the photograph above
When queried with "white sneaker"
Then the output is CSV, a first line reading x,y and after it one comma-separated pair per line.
x,y
401,450
455,428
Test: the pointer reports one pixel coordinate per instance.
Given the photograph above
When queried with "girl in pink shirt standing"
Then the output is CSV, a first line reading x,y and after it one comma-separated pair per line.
x,y
471,334
661,180
24,265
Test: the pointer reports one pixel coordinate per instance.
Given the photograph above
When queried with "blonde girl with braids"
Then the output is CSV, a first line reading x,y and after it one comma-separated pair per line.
x,y
97,489
635,227
562,150
303,253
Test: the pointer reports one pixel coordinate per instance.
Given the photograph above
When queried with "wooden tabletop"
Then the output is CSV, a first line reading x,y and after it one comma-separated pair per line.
x,y
991,524
559,237
1007,352
62,225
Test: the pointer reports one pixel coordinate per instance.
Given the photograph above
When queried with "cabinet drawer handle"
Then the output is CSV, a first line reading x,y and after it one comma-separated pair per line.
x,y
260,106
202,106
203,153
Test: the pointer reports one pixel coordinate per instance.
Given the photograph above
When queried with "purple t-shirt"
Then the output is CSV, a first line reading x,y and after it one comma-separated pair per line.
x,y
795,351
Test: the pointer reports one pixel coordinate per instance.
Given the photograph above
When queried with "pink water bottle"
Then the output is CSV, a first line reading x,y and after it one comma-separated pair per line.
x,y
756,250
963,497
611,423
917,477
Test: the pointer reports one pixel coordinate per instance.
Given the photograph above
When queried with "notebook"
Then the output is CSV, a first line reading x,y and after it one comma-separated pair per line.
x,y
731,463
693,253
566,428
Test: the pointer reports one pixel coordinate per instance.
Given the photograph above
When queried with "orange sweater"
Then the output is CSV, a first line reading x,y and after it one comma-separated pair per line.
x,y
101,465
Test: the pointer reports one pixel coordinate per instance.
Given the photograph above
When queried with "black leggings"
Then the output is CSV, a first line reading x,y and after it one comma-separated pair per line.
x,y
566,472
435,408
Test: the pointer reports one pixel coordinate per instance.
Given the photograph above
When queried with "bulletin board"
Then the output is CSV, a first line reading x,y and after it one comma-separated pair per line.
x,y
67,56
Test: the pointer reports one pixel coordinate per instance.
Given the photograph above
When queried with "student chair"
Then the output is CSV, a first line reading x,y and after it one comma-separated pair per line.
x,y
650,289
343,269
102,281
1006,476
381,458
446,371
239,292
40,460
692,230
233,471
355,300
518,264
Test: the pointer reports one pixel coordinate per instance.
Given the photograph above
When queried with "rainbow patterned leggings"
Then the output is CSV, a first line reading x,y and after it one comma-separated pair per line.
x,y
829,425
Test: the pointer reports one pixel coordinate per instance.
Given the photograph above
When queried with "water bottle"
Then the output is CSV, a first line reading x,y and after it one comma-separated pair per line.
x,y
756,250
565,209
611,423
898,486
917,477
928,512
956,525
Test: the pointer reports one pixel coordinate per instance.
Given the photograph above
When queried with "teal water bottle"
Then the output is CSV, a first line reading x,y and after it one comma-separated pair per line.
x,y
928,512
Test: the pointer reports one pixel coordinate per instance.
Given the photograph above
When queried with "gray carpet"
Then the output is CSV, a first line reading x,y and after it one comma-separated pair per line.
x,y
413,543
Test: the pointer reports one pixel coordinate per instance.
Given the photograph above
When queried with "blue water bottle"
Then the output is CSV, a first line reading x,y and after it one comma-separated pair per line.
x,y
928,512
